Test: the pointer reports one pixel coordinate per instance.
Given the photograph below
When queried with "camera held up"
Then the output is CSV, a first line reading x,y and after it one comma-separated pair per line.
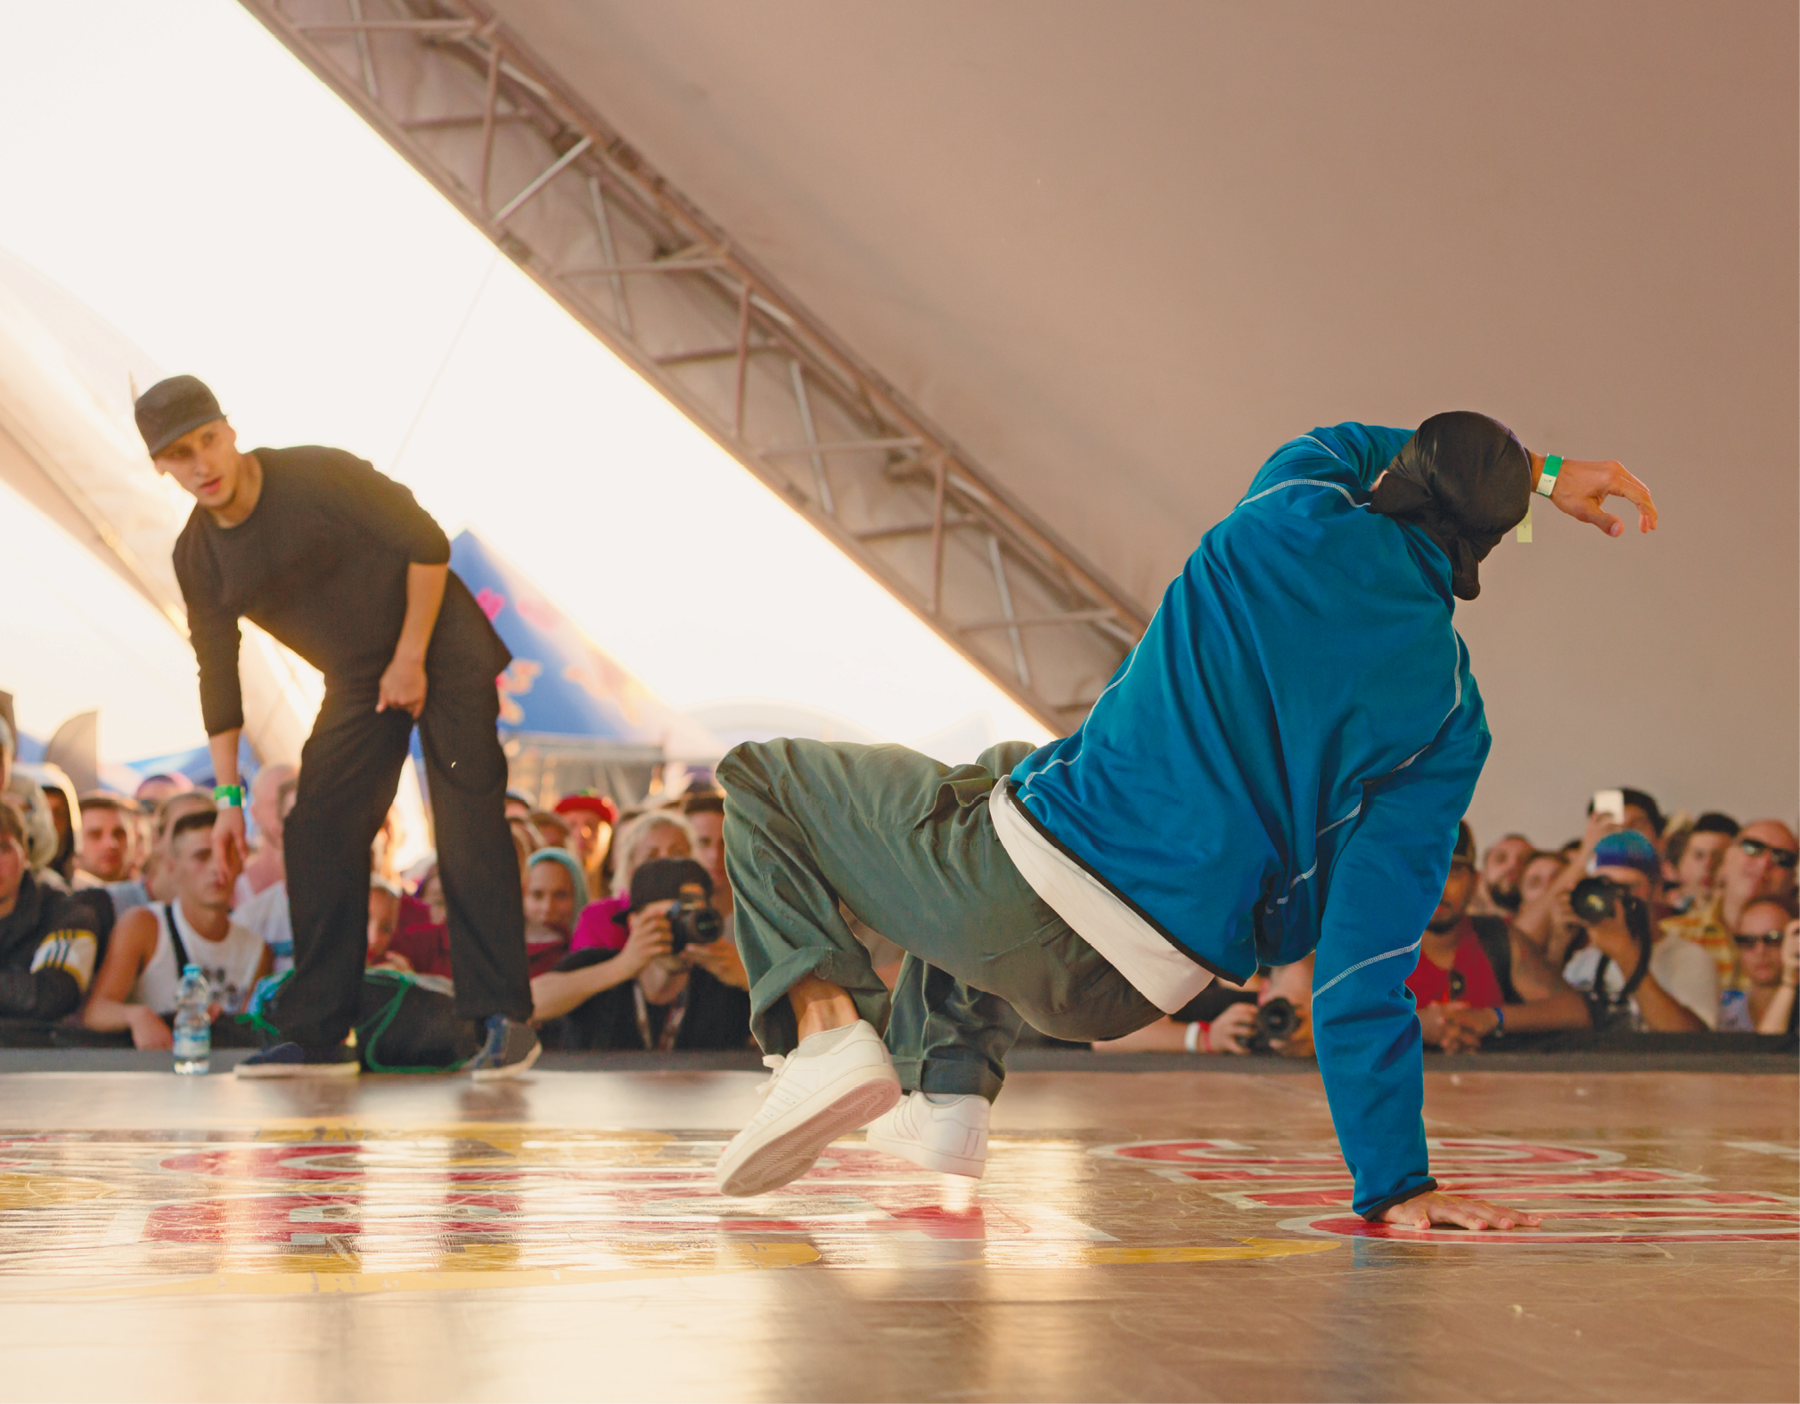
x,y
693,920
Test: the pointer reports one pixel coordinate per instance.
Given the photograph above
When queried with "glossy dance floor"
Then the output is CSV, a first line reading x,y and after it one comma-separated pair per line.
x,y
1140,1236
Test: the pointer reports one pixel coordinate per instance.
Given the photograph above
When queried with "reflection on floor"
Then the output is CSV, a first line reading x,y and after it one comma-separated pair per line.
x,y
1139,1236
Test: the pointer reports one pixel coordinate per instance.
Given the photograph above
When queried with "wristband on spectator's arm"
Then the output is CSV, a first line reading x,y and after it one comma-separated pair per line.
x,y
232,796
1546,483
1196,1032
1499,1020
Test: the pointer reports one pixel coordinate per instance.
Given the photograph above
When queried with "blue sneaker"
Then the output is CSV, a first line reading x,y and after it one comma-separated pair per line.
x,y
510,1049
291,1060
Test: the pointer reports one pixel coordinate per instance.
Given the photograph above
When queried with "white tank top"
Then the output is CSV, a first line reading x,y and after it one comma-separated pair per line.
x,y
230,965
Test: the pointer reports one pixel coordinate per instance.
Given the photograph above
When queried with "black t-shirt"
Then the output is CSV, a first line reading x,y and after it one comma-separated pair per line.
x,y
321,565
717,1015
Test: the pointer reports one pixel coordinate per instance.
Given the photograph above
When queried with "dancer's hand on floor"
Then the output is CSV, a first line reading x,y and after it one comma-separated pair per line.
x,y
1436,1207
1582,488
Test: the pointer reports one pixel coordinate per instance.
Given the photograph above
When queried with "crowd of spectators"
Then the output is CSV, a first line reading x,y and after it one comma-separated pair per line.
x,y
106,897
1643,923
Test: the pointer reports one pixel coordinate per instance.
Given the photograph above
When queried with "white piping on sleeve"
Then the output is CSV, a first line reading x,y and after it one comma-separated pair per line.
x,y
1301,482
1399,951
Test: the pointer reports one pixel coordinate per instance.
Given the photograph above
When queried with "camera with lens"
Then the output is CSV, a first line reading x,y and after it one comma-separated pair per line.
x,y
1275,1021
693,920
1595,899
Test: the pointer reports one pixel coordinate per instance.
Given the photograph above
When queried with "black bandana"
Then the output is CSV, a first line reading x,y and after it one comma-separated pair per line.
x,y
1466,481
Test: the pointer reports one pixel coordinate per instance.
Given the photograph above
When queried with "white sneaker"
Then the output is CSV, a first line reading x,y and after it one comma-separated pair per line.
x,y
937,1132
833,1082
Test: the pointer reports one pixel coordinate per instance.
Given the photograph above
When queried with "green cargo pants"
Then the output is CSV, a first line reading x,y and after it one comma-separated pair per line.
x,y
906,843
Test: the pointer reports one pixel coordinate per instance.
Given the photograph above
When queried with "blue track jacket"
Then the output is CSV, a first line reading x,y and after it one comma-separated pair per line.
x,y
1279,767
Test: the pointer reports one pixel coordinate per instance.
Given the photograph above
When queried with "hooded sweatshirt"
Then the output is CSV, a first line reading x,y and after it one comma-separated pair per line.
x,y
1279,767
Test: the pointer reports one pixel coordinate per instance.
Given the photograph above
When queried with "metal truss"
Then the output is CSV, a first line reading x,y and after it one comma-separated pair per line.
x,y
638,264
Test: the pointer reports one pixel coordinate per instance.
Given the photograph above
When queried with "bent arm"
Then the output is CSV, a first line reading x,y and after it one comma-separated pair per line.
x,y
133,942
1550,1002
1663,1013
556,992
424,598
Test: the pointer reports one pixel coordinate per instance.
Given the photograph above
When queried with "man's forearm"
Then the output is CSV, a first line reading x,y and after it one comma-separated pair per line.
x,y
1564,1010
556,992
424,598
1663,1012
224,748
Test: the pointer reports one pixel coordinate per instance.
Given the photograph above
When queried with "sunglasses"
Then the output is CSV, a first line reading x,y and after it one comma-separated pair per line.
x,y
1781,857
1768,938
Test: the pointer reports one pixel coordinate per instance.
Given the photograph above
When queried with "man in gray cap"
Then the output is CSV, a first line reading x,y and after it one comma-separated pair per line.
x,y
339,563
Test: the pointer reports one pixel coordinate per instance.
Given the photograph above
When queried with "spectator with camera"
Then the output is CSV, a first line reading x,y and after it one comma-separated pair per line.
x,y
47,943
681,995
643,838
1768,948
136,988
1475,979
1269,1014
1759,862
1632,973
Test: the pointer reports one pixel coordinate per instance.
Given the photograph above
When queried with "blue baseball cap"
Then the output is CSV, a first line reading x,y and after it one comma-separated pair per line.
x,y
1628,849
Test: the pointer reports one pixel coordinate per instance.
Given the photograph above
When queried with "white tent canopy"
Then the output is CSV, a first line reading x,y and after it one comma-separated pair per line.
x,y
69,447
1119,253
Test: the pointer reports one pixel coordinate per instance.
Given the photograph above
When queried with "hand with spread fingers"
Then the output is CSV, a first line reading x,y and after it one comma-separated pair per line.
x,y
1436,1207
1583,486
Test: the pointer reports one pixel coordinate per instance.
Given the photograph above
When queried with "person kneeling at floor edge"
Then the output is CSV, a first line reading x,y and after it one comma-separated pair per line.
x,y
1278,766
661,991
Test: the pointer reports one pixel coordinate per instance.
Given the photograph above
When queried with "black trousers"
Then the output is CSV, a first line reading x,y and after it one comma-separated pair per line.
x,y
349,770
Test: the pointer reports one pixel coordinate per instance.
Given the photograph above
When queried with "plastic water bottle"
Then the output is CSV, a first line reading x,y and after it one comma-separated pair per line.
x,y
193,1030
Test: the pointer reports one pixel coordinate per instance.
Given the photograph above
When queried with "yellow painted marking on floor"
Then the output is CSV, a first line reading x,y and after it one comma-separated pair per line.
x,y
327,1279
38,1191
1116,1254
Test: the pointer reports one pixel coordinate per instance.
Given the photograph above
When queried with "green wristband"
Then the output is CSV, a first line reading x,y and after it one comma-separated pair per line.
x,y
231,796
1546,483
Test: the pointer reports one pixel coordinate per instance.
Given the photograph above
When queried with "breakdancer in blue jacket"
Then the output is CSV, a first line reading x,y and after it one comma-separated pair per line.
x,y
1277,768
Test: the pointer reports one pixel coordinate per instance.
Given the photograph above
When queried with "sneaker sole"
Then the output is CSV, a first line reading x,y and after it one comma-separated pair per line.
x,y
506,1070
790,1155
926,1158
270,1070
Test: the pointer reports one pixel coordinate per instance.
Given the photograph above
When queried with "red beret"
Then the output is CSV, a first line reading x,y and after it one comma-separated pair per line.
x,y
589,804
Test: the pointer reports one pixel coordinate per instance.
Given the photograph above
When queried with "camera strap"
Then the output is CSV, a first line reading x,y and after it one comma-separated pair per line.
x,y
1604,1003
677,1008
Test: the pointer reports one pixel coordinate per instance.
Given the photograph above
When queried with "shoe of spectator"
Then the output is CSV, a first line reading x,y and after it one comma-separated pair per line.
x,y
291,1060
833,1082
947,1133
510,1050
